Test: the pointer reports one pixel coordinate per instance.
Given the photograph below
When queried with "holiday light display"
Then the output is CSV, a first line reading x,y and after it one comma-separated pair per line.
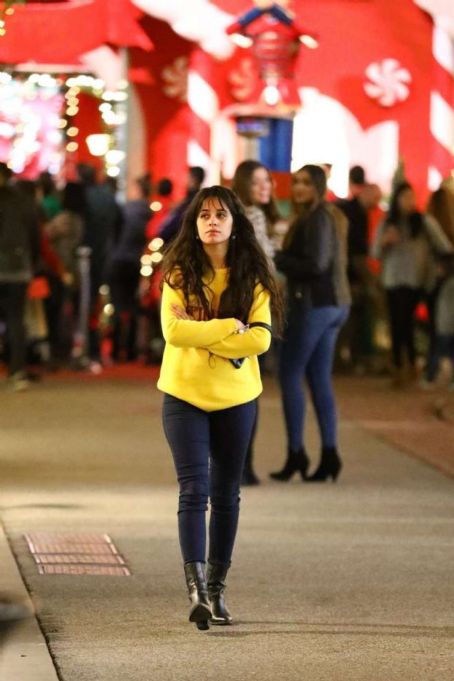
x,y
38,115
6,11
31,135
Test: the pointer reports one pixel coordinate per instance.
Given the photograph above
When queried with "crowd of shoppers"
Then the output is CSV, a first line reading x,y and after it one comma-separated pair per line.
x,y
74,243
393,265
408,243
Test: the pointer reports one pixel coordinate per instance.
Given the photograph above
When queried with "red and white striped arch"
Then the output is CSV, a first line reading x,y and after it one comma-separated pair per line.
x,y
442,108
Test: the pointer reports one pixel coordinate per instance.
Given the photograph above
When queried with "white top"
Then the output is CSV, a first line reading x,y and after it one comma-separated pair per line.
x,y
411,262
444,309
259,222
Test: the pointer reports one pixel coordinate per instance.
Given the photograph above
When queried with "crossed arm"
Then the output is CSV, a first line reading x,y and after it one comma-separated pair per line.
x,y
218,336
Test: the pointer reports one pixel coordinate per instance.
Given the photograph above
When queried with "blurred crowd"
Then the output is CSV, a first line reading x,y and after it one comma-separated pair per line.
x,y
80,284
70,267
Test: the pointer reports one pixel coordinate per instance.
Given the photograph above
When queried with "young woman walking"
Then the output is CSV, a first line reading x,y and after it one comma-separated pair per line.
x,y
217,294
314,260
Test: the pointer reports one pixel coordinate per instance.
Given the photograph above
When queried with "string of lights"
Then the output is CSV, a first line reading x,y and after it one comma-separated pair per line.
x,y
6,11
21,95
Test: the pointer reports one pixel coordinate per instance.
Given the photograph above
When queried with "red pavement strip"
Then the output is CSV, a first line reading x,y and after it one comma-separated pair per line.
x,y
76,554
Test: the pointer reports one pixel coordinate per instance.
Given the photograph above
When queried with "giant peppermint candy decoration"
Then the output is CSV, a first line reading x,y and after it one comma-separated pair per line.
x,y
387,82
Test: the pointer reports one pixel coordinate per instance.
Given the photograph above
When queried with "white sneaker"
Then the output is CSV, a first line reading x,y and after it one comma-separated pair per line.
x,y
18,382
424,384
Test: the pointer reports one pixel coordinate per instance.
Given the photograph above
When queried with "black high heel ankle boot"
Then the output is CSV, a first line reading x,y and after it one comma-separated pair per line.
x,y
216,575
200,611
329,467
296,461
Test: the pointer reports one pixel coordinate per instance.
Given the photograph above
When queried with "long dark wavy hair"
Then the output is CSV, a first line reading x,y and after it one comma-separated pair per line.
x,y
395,216
186,266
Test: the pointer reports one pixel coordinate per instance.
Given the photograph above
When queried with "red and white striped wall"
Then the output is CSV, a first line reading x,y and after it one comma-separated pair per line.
x,y
442,108
203,102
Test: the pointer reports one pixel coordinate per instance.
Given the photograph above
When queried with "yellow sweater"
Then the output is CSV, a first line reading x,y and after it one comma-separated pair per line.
x,y
196,367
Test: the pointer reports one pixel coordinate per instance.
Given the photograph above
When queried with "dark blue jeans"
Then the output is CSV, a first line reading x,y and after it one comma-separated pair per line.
x,y
208,450
444,347
307,352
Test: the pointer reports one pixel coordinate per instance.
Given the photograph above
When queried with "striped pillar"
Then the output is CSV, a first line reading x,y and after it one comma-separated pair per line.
x,y
203,102
442,109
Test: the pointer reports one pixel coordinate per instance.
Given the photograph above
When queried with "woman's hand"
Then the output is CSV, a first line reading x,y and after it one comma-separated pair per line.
x,y
68,279
179,312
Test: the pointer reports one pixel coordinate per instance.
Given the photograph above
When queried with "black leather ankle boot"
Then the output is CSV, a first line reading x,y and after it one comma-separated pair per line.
x,y
329,467
216,575
296,461
200,611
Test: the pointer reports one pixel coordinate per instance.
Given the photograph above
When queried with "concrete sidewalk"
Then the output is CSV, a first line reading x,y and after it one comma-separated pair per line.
x,y
351,581
23,650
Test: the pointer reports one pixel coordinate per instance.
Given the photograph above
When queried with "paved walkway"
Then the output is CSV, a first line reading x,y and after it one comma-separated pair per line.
x,y
345,582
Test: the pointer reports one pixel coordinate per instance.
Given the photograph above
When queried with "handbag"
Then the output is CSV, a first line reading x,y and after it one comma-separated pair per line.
x,y
38,288
237,363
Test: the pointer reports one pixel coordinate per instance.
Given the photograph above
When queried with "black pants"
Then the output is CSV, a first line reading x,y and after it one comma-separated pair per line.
x,y
53,306
124,282
12,304
402,302
208,450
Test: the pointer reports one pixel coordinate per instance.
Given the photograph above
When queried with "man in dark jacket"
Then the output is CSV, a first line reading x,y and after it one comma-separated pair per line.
x,y
19,248
169,228
358,333
124,271
102,220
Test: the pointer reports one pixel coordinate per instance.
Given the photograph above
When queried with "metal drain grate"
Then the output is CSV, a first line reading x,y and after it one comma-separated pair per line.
x,y
76,554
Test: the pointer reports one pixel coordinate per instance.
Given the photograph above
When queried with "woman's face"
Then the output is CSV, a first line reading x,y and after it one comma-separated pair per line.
x,y
407,201
214,222
303,189
261,187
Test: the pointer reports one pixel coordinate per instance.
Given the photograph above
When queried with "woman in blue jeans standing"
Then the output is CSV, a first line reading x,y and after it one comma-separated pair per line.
x,y
314,260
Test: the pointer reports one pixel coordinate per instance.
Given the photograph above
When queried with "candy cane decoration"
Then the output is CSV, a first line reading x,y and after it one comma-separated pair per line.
x,y
442,108
203,102
203,23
